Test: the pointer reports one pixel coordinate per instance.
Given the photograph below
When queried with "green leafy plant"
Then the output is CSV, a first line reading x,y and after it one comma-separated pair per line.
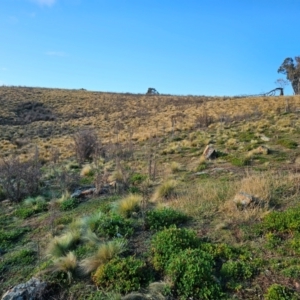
x,y
137,178
237,270
282,222
280,292
24,212
160,218
169,241
191,272
68,204
19,258
291,272
114,225
122,275
7,237
31,206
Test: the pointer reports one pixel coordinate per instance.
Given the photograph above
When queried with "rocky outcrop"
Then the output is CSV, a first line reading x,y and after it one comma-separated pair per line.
x,y
34,289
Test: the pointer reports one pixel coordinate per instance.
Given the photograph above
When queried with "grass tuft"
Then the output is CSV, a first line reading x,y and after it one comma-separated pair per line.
x,y
105,253
66,264
166,190
126,206
60,245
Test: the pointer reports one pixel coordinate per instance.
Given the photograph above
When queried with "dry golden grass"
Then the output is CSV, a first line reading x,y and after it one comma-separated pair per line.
x,y
204,198
86,170
126,206
66,264
145,117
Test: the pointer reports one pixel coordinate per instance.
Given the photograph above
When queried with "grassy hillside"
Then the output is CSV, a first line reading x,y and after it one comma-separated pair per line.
x,y
156,188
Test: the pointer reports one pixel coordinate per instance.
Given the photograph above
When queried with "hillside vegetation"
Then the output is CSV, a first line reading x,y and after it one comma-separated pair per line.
x,y
105,195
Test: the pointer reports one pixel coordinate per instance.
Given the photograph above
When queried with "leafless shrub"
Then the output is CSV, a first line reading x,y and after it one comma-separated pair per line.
x,y
203,120
87,145
20,179
65,180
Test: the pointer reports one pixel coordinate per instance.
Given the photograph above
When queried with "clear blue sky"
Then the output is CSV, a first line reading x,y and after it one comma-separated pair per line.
x,y
199,47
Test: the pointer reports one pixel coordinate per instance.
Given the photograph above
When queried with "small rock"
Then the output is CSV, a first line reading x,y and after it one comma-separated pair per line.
x,y
264,138
262,150
209,152
243,199
76,194
201,173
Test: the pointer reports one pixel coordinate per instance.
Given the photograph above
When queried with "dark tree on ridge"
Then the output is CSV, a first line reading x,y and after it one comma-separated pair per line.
x,y
291,68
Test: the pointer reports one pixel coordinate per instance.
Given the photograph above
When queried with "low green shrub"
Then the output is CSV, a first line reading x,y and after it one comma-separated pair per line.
x,y
292,272
68,204
169,241
281,222
221,252
8,237
122,275
280,292
137,178
160,218
24,212
272,240
234,273
237,270
192,274
31,206
21,258
114,225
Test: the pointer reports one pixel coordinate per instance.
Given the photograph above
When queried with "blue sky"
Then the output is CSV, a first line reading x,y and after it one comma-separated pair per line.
x,y
183,47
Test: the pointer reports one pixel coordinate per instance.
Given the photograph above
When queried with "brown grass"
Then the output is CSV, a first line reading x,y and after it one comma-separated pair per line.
x,y
146,117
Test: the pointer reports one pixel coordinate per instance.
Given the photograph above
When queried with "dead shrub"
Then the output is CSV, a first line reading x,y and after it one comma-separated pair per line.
x,y
20,179
203,120
87,145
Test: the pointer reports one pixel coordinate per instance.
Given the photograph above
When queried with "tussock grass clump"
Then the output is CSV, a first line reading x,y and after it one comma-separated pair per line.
x,y
126,206
86,170
175,166
66,264
104,254
60,245
34,201
91,222
166,190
